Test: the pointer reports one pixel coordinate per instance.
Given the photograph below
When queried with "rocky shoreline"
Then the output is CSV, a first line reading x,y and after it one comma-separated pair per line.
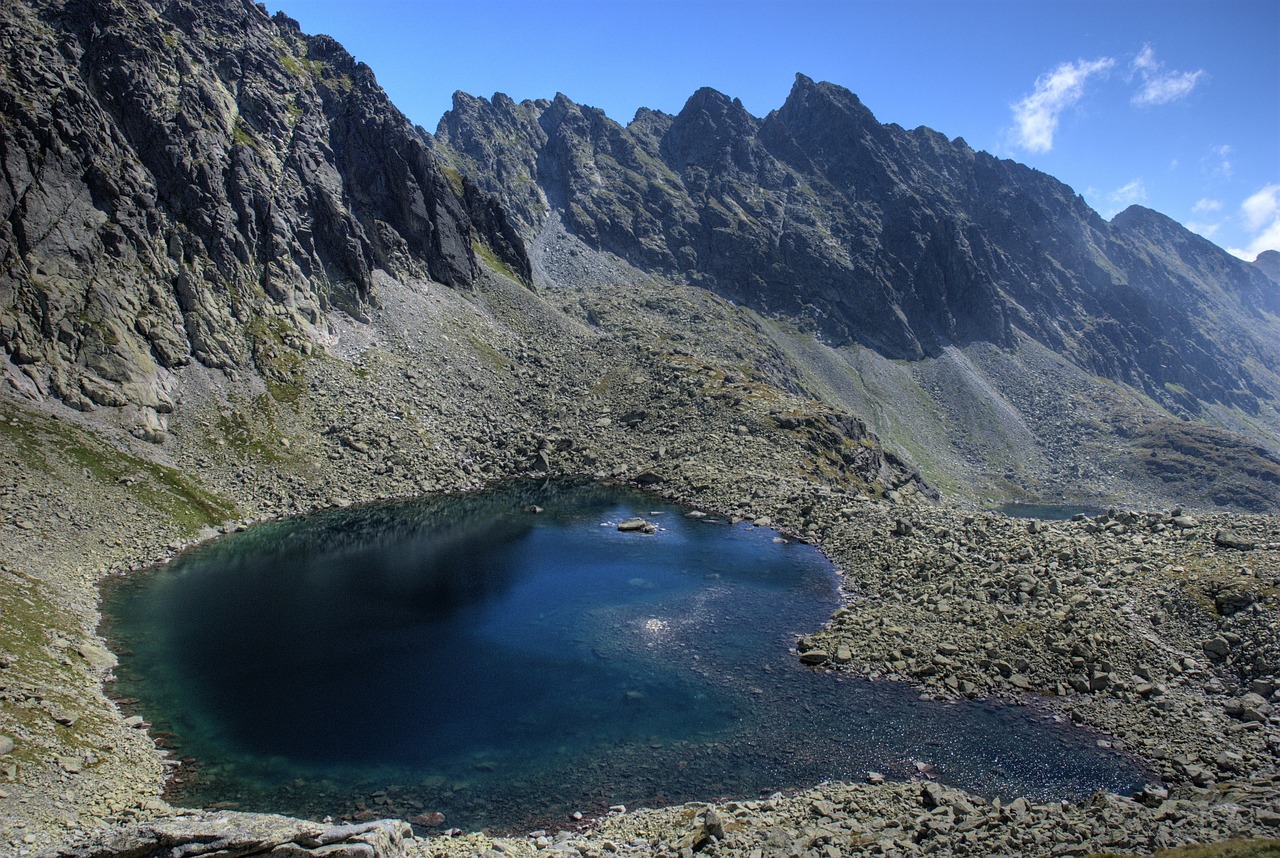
x,y
1153,628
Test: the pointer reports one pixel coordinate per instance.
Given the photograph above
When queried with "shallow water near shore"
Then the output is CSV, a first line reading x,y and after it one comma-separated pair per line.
x,y
466,656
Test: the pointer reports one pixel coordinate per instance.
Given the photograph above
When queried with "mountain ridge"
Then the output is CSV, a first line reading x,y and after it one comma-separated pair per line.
x,y
916,241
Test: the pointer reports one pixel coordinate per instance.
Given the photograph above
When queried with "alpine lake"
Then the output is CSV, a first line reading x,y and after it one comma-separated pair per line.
x,y
504,659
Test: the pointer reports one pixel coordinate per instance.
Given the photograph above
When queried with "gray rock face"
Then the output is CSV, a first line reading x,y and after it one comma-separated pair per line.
x,y
903,241
197,181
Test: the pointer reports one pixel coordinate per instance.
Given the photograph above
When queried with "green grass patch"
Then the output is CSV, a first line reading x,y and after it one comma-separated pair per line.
x,y
454,178
491,259
48,446
283,367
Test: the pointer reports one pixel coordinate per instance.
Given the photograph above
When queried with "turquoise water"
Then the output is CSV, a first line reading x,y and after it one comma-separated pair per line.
x,y
467,656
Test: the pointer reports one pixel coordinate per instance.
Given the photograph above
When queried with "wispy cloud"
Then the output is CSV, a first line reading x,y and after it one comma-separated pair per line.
x,y
1207,205
1218,161
1260,214
1208,230
1160,86
1036,116
1126,195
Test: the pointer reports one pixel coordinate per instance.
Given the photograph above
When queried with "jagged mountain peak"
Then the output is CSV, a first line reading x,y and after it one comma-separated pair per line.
x,y
903,241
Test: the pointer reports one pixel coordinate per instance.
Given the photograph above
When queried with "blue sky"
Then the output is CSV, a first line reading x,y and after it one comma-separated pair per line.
x,y
1174,104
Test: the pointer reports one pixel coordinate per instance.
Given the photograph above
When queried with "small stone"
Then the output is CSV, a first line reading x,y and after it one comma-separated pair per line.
x,y
815,656
875,778
763,521
71,765
843,654
6,745
1185,521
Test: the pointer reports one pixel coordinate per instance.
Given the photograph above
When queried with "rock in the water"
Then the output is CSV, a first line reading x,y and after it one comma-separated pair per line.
x,y
637,525
815,656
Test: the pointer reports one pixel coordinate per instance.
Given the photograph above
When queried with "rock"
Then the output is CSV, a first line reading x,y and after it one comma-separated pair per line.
x,y
229,834
98,657
1230,539
1217,648
875,778
901,527
637,525
815,656
6,745
1250,707
843,654
1231,601
427,820
1184,522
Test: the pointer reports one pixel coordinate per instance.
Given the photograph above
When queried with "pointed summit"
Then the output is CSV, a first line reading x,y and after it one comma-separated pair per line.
x,y
808,96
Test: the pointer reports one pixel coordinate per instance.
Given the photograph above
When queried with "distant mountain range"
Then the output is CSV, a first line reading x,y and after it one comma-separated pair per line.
x,y
194,181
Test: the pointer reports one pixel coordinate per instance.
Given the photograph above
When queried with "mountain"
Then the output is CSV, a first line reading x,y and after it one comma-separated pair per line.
x,y
992,282
195,181
902,241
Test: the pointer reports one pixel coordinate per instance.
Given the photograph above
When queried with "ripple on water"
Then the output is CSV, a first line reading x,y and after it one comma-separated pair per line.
x,y
462,655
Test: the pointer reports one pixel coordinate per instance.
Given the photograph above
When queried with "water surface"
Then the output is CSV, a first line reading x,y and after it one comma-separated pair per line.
x,y
1048,511
467,656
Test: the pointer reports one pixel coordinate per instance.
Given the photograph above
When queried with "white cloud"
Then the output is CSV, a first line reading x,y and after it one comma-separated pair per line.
x,y
1207,205
1208,230
1127,195
1262,207
1159,86
1218,161
1036,115
1123,197
1261,216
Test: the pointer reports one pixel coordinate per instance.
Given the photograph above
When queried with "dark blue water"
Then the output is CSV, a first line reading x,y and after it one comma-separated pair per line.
x,y
463,655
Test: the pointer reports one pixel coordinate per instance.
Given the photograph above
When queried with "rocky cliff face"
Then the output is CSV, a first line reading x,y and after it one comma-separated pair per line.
x,y
902,241
193,180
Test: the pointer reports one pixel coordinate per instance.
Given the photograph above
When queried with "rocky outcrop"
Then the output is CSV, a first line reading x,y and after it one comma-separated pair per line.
x,y
903,241
1268,262
239,835
197,181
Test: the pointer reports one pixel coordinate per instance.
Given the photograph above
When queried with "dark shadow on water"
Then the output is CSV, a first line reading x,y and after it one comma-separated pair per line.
x,y
463,655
